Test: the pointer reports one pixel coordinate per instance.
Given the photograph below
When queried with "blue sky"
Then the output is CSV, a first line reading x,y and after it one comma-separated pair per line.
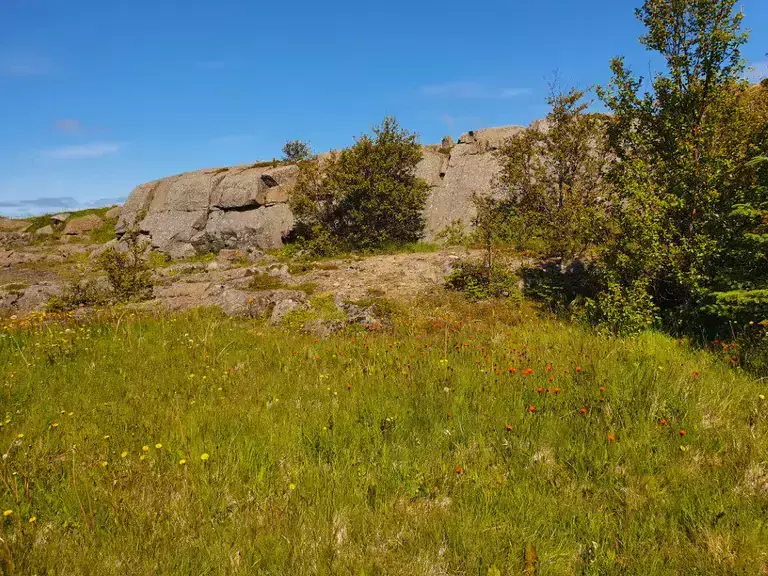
x,y
99,96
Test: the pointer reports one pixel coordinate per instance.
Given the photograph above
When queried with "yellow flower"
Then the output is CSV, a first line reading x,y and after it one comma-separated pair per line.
x,y
182,462
106,437
33,519
145,448
124,453
204,456
19,435
291,486
158,445
761,396
142,457
55,425
104,464
7,513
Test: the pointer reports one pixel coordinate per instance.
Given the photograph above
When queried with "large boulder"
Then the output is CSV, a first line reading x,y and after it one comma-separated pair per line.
x,y
82,225
113,213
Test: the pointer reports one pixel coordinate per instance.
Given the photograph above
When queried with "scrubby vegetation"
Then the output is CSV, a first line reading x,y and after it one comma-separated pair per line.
x,y
365,197
664,201
448,444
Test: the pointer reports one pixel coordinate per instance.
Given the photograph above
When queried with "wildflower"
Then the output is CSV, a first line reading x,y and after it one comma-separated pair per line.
x,y
509,428
291,486
145,448
7,513
683,432
663,422
611,438
527,371
104,464
694,374
55,425
761,396
33,519
142,457
349,386
539,390
106,437
556,390
204,456
19,435
531,409
602,388
123,454
459,470
158,445
582,410
578,368
182,462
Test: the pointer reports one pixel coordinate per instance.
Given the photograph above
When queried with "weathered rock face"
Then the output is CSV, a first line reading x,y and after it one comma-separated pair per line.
x,y
245,207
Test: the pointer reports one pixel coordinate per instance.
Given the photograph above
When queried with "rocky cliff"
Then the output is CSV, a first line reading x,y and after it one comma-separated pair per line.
x,y
245,206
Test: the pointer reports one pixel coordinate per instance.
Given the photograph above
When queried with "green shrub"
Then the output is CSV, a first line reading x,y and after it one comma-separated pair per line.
x,y
622,310
479,282
364,198
77,294
127,270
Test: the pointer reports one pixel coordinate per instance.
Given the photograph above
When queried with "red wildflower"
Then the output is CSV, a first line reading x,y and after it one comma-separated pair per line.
x,y
527,371
459,469
583,410
509,428
578,368
694,374
611,438
531,409
683,432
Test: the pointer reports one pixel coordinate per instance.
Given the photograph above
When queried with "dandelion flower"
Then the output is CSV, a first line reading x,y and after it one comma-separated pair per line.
x,y
33,519
19,435
104,464
124,453
291,486
7,513
158,445
145,448
204,456
182,462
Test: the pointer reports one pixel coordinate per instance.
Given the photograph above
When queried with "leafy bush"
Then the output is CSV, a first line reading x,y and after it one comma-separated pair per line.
x,y
622,310
478,282
365,197
127,270
297,151
77,294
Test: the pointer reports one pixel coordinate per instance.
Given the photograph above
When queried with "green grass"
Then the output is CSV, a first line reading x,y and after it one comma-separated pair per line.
x,y
411,451
264,281
37,222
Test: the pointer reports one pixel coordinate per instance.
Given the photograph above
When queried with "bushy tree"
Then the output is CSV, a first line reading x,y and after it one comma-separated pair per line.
x,y
364,197
553,177
681,150
297,151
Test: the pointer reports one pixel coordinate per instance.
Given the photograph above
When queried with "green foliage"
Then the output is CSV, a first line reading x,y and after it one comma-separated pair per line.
x,y
297,151
127,270
307,476
104,233
690,201
622,310
553,179
77,294
364,198
455,234
478,281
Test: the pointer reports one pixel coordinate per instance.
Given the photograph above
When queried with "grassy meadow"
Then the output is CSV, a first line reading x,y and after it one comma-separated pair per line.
x,y
446,444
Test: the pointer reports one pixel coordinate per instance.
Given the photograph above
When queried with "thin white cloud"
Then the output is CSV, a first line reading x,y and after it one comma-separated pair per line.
x,y
471,90
95,150
69,125
757,70
23,64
